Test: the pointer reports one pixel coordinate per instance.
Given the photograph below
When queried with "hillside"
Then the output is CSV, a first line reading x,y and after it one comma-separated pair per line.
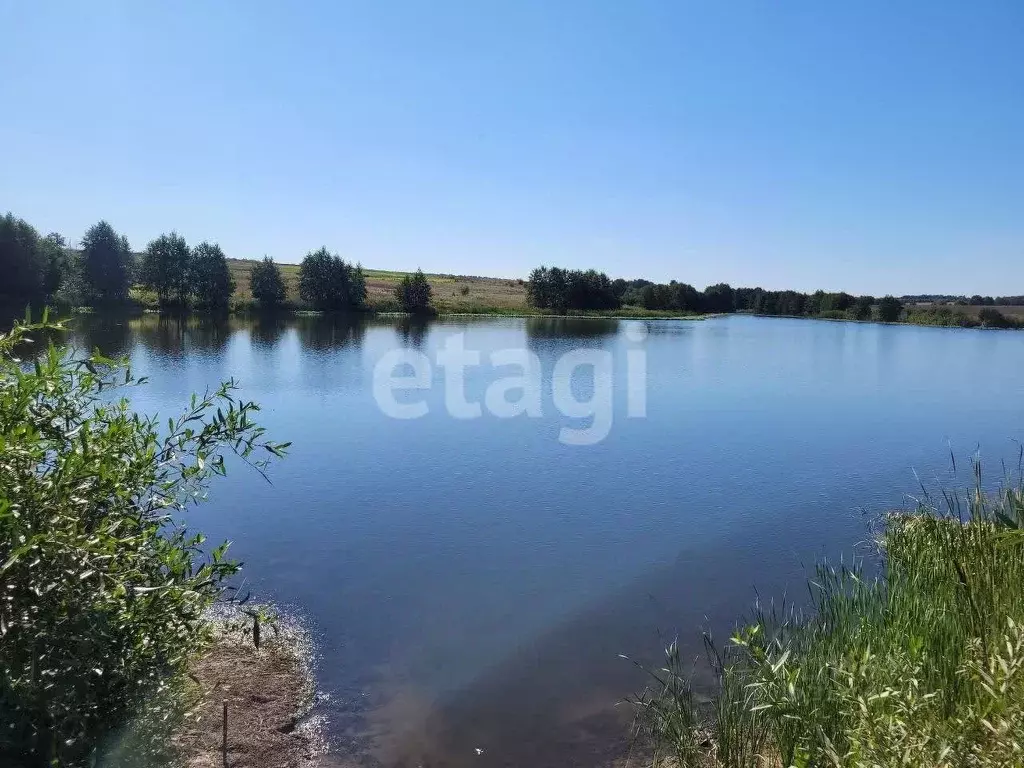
x,y
452,293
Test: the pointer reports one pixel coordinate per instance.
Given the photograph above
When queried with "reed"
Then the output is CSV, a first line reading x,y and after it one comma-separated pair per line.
x,y
922,665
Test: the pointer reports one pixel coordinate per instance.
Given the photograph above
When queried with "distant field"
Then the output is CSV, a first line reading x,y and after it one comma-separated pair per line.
x,y
1014,311
452,293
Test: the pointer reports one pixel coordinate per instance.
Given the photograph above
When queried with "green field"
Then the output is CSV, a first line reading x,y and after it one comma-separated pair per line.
x,y
451,293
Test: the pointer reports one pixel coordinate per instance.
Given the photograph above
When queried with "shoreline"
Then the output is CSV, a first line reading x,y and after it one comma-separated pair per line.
x,y
249,705
135,309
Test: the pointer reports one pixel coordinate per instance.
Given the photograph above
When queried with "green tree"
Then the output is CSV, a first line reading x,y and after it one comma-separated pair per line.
x,y
685,297
889,309
413,293
862,307
23,264
816,303
266,284
106,263
104,589
57,258
210,277
538,288
562,289
328,282
166,268
719,298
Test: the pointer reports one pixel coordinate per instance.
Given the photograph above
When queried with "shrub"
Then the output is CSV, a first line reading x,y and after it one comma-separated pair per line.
x,y
104,591
413,293
993,318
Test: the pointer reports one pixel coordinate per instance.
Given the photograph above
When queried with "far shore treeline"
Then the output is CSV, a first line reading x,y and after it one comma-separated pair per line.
x,y
562,290
104,270
169,273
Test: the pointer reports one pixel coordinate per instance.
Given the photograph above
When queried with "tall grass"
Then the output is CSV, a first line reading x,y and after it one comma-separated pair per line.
x,y
920,666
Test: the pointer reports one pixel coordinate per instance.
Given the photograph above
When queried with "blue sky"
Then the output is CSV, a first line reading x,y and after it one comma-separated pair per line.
x,y
866,146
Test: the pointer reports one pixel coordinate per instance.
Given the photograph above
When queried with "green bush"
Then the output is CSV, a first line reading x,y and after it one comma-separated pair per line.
x,y
993,318
413,293
104,592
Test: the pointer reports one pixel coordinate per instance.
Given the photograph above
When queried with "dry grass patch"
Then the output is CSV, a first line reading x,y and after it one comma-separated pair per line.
x,y
268,694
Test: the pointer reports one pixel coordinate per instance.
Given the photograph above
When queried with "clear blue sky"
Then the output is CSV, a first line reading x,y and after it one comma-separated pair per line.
x,y
866,146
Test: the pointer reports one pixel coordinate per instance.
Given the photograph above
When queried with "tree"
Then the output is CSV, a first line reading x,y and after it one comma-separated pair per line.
x,y
889,309
656,296
105,591
815,303
57,260
862,307
746,298
686,298
266,284
328,282
23,264
413,293
211,279
562,289
166,268
836,302
538,288
791,303
106,263
719,298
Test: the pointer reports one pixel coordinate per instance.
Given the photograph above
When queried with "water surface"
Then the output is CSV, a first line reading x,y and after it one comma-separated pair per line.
x,y
472,582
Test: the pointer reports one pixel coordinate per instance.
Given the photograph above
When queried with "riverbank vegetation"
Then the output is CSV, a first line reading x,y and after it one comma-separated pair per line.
x,y
564,289
171,274
105,592
413,294
921,666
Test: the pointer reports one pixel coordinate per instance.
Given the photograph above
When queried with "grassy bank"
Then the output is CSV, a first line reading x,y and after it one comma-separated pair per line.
x,y
923,666
1003,317
451,295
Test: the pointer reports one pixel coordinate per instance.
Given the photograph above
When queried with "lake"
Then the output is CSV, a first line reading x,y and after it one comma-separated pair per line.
x,y
472,581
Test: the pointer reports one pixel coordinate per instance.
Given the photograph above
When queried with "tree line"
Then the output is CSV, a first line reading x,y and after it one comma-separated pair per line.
x,y
570,289
103,270
975,300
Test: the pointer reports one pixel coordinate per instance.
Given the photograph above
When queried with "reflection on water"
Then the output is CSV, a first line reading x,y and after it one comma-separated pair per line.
x,y
108,332
173,336
472,581
267,328
321,333
413,330
579,327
